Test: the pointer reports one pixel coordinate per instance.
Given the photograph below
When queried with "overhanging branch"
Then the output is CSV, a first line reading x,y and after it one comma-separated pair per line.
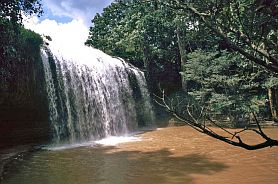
x,y
268,61
203,128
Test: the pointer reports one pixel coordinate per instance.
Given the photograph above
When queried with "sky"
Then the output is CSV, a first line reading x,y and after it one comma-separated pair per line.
x,y
67,22
64,11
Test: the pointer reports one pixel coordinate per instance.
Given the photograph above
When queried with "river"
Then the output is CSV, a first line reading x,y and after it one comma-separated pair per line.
x,y
168,155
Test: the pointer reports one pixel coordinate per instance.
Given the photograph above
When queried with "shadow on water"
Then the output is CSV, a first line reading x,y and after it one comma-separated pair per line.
x,y
107,165
162,167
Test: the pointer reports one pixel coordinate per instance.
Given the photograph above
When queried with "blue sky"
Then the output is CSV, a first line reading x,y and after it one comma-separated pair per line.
x,y
49,15
67,22
64,11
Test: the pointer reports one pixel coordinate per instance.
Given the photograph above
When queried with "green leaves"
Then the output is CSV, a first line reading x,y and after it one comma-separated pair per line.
x,y
271,82
17,43
245,26
225,84
14,9
133,29
141,32
217,46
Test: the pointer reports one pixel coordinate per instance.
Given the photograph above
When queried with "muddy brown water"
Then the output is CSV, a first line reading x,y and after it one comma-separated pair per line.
x,y
169,155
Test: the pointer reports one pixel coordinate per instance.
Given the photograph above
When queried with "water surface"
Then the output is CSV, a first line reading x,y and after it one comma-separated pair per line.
x,y
169,155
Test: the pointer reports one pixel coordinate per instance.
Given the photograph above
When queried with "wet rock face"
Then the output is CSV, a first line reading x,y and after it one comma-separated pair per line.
x,y
23,102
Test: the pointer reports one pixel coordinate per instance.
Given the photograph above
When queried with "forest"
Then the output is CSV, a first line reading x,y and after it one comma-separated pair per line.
x,y
224,55
181,89
204,59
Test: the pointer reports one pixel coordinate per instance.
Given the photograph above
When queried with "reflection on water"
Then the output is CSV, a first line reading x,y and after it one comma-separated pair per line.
x,y
171,155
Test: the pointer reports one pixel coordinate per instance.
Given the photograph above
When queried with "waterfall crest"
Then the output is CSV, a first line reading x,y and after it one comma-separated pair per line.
x,y
92,95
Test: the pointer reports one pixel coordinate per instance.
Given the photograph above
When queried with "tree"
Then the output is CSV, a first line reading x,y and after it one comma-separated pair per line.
x,y
11,12
13,9
187,110
144,34
18,46
160,35
226,85
248,27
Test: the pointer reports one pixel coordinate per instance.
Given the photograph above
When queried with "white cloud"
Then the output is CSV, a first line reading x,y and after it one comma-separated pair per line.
x,y
81,9
63,34
67,39
71,34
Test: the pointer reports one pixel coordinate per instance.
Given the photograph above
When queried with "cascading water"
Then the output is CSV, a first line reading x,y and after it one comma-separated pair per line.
x,y
92,95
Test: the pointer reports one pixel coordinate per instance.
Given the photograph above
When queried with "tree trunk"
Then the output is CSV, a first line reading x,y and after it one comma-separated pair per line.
x,y
181,44
273,102
149,69
182,51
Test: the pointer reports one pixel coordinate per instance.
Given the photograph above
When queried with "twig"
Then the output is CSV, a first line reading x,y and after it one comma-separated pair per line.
x,y
202,128
259,126
219,126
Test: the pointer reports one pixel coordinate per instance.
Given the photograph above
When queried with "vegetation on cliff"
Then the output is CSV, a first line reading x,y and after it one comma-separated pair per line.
x,y
22,92
16,41
19,55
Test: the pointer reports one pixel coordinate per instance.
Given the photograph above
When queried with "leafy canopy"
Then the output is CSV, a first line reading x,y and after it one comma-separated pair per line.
x,y
13,9
227,85
249,27
15,40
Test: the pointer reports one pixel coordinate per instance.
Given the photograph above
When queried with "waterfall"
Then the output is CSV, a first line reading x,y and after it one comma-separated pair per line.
x,y
92,95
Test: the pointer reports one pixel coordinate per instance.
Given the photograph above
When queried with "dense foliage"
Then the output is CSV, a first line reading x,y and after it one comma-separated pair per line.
x,y
13,10
221,48
17,43
227,86
14,38
144,34
248,27
18,46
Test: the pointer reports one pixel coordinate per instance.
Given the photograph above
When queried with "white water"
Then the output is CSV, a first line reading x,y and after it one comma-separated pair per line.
x,y
113,140
92,95
108,141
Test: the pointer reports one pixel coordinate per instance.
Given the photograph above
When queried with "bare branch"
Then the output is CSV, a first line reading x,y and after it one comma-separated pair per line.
x,y
202,128
219,126
259,127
